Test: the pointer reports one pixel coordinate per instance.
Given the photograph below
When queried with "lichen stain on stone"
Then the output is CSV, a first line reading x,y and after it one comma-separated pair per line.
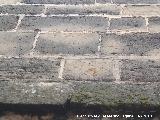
x,y
92,71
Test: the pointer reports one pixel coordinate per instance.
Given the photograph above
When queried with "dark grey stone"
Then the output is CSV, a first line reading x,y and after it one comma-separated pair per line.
x,y
68,23
127,23
21,9
16,43
59,1
103,1
140,71
67,43
8,22
154,24
88,9
146,44
31,69
89,70
34,93
113,94
136,1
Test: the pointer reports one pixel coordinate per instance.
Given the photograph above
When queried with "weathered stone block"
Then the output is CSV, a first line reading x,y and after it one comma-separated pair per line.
x,y
140,71
136,1
34,93
89,69
112,94
154,24
87,9
59,1
7,2
68,43
8,22
141,10
16,43
23,69
21,9
68,23
103,1
146,44
128,24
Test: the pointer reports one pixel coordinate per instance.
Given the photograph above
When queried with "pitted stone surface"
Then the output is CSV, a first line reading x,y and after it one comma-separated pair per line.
x,y
32,69
67,43
22,9
143,44
59,1
34,93
113,94
84,10
93,70
68,23
8,22
16,43
140,71
127,23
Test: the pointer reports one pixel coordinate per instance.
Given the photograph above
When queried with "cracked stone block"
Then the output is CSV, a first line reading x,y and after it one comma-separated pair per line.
x,y
140,71
28,69
65,23
16,43
93,70
67,43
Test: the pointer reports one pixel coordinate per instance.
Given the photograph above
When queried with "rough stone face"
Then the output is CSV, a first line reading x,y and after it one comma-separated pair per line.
x,y
8,22
141,10
103,1
154,24
128,23
140,71
136,1
68,23
93,70
112,94
68,43
16,43
32,69
59,1
21,9
34,93
146,44
6,2
87,9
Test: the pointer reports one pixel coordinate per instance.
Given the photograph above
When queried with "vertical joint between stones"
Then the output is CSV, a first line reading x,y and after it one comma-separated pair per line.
x,y
62,65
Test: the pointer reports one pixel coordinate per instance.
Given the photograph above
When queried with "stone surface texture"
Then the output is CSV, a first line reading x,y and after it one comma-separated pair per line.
x,y
91,52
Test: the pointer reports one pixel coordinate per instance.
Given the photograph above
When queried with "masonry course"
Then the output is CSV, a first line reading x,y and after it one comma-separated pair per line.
x,y
66,23
94,52
68,43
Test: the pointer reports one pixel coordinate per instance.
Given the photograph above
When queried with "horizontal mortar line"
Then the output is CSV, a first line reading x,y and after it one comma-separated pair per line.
x,y
83,14
83,32
81,81
69,56
83,4
65,15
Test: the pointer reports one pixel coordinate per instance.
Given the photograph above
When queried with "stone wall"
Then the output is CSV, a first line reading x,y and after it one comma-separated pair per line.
x,y
104,52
